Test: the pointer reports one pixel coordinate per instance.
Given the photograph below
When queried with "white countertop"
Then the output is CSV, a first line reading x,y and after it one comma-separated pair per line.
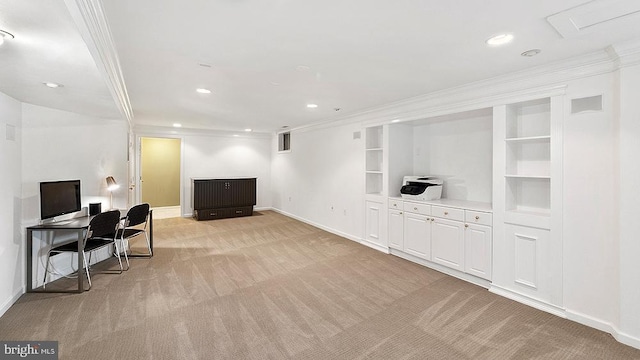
x,y
460,204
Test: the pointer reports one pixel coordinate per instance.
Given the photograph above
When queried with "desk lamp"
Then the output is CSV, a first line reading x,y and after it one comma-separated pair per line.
x,y
111,186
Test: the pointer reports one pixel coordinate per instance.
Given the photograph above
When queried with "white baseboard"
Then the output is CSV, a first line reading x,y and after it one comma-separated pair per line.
x,y
7,304
604,326
325,228
443,269
524,299
375,246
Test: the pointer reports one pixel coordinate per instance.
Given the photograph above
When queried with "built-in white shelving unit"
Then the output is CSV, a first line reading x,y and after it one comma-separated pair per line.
x,y
374,161
527,252
528,157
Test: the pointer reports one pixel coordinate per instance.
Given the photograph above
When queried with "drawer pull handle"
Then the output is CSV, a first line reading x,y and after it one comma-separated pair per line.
x,y
238,211
466,225
432,219
477,217
415,208
446,213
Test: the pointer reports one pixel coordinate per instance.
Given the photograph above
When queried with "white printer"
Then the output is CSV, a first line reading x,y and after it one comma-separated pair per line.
x,y
421,188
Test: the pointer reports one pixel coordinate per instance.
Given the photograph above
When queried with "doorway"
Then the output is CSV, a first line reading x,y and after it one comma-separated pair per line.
x,y
160,175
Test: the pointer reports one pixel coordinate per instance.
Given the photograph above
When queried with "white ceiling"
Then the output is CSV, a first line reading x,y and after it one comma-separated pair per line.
x,y
265,60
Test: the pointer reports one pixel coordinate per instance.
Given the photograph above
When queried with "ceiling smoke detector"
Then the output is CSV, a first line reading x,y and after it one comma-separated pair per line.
x,y
532,52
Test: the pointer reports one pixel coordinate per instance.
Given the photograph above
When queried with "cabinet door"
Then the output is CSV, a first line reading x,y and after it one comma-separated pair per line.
x,y
396,231
447,243
373,223
417,235
477,250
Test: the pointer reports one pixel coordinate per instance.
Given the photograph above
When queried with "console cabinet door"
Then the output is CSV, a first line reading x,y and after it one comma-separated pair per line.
x,y
373,222
417,235
447,243
477,250
396,229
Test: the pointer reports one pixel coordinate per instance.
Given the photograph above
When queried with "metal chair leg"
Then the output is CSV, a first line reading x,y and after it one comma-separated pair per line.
x,y
46,271
148,243
115,243
86,268
124,249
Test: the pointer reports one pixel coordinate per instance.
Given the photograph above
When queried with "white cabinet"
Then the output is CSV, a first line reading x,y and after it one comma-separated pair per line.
x,y
417,235
477,250
455,237
374,223
396,229
447,243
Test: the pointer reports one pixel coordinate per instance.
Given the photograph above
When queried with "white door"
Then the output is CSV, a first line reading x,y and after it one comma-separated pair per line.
x,y
396,229
477,250
447,243
417,235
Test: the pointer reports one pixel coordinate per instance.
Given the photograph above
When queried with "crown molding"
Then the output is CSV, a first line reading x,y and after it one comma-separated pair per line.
x,y
541,81
92,24
625,54
143,130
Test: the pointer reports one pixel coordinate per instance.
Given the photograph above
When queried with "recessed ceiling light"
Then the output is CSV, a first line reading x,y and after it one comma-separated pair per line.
x,y
248,130
532,52
177,125
312,106
51,85
395,120
5,35
500,39
236,135
203,91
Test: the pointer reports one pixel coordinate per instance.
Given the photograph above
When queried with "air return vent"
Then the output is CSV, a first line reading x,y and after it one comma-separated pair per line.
x,y
591,103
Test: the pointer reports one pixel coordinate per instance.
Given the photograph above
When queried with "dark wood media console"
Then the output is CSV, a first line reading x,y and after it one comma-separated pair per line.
x,y
223,198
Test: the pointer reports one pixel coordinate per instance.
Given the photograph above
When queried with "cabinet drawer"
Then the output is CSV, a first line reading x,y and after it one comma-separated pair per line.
x,y
477,217
447,213
395,204
417,208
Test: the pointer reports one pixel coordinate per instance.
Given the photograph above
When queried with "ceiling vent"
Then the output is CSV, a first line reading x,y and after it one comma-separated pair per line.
x,y
596,16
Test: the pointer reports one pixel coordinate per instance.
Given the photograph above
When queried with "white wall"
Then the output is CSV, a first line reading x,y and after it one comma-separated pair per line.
x,y
59,145
217,156
322,179
590,243
11,243
459,150
629,201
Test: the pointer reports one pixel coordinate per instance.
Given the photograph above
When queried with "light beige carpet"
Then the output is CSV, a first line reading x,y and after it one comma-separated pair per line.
x,y
269,287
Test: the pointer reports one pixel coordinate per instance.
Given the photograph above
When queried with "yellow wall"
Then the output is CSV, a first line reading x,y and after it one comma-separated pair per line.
x,y
160,170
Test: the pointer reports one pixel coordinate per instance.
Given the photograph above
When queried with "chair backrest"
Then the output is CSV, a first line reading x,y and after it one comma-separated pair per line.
x,y
104,224
137,214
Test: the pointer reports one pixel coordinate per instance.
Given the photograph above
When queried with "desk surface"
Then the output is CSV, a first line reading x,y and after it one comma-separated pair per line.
x,y
71,224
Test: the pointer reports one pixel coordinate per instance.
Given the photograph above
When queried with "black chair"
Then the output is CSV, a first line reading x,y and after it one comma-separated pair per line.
x,y
99,234
132,226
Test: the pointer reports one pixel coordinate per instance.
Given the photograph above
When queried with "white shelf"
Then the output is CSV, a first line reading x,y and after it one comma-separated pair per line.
x,y
543,138
517,176
373,149
374,172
